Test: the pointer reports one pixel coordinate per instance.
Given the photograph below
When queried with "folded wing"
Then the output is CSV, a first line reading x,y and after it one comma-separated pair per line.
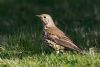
x,y
65,42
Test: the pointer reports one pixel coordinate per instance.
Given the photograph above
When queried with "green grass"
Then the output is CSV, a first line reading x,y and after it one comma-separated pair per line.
x,y
24,48
53,60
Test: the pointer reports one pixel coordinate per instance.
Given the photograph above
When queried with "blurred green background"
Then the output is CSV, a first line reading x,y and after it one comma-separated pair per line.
x,y
21,30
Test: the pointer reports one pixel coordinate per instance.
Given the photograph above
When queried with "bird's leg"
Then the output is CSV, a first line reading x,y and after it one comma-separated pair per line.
x,y
62,51
57,51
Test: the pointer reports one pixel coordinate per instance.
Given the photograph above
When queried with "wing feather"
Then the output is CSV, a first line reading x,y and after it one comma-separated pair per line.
x,y
56,35
65,42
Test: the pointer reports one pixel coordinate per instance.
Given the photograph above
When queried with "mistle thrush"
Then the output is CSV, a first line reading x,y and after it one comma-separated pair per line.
x,y
54,36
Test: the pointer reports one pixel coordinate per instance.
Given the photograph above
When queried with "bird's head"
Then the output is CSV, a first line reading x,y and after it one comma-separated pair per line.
x,y
47,20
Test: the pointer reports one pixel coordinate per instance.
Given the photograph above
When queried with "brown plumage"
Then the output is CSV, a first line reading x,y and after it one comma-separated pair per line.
x,y
54,36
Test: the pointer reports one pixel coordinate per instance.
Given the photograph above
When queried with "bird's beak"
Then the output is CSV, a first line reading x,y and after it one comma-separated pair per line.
x,y
38,16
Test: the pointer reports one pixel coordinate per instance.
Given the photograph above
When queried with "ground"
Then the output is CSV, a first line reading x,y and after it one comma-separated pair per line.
x,y
51,60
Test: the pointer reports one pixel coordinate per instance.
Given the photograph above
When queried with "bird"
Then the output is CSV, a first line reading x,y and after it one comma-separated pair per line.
x,y
54,37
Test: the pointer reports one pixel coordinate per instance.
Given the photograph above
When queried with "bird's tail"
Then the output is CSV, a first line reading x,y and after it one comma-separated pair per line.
x,y
79,50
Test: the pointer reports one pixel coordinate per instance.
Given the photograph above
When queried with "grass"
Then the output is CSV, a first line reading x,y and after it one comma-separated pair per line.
x,y
24,48
53,60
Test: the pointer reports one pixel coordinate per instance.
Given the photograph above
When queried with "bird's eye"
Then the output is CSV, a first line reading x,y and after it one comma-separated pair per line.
x,y
44,16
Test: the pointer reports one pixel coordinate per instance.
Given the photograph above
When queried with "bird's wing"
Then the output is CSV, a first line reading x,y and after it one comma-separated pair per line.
x,y
65,42
59,37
